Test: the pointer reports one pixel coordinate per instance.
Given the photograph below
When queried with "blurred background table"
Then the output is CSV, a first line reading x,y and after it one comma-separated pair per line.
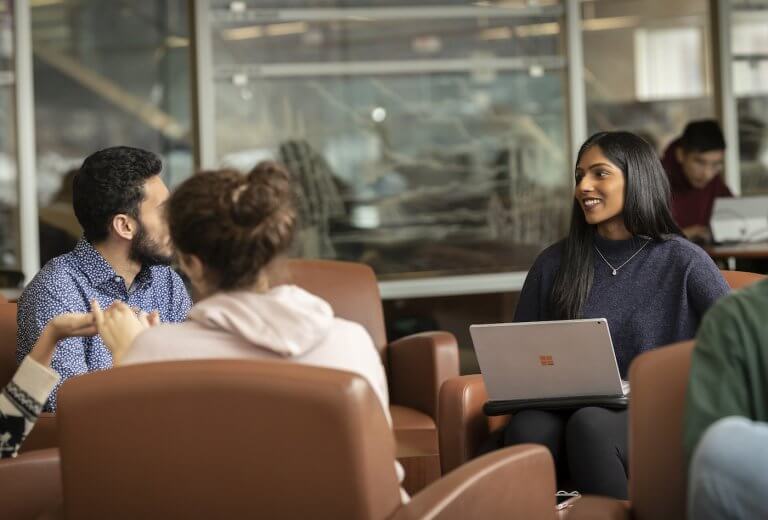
x,y
730,253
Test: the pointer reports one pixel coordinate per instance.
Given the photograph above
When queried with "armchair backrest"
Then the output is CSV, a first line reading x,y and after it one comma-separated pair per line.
x,y
657,484
351,289
8,363
225,439
739,279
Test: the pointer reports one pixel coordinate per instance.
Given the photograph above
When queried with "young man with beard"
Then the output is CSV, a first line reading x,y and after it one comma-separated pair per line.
x,y
118,198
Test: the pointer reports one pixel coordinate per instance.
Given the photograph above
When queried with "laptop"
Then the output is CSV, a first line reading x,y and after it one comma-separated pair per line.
x,y
739,219
548,365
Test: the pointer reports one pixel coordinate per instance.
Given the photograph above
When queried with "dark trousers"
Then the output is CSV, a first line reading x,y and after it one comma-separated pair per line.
x,y
589,446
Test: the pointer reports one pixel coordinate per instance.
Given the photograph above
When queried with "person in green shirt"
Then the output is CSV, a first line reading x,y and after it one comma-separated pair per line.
x,y
726,419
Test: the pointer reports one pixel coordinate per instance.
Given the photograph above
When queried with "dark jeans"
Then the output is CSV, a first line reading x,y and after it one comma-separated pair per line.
x,y
589,446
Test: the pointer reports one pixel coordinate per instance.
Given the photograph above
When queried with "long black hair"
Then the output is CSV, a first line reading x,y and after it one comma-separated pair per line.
x,y
646,212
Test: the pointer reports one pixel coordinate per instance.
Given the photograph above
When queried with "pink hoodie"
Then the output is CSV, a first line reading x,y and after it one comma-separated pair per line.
x,y
286,323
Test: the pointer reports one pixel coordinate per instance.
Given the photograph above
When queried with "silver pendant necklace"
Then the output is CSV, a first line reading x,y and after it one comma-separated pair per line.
x,y
615,270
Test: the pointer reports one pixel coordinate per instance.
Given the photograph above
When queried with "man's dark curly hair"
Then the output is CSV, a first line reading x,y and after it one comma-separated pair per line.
x,y
110,182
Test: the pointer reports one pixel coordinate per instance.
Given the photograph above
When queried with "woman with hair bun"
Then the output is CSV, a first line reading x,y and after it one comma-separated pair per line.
x,y
227,229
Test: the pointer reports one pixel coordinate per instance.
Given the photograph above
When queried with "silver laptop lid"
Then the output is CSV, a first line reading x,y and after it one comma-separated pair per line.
x,y
538,360
740,219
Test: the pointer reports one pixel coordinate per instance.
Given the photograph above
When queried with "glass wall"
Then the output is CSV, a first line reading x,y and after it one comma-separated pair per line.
x,y
427,136
749,49
648,66
106,74
9,193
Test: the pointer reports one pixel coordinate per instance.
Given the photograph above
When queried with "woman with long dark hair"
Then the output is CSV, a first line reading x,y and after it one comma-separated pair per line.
x,y
625,260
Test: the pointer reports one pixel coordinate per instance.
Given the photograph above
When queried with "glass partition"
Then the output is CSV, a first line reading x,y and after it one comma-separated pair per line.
x,y
648,66
9,192
427,137
106,74
749,50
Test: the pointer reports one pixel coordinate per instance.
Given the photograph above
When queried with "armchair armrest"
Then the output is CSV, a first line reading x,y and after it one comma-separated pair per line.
x,y
515,483
462,426
44,434
599,508
418,366
31,484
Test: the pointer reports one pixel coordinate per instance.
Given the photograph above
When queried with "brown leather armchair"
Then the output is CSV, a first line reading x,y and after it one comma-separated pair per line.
x,y
8,363
30,484
251,439
657,487
43,435
464,427
416,365
739,279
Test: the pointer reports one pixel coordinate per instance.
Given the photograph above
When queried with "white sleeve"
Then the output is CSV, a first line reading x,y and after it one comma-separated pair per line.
x,y
23,398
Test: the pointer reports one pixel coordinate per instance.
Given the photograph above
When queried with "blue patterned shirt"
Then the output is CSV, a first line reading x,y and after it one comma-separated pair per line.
x,y
68,283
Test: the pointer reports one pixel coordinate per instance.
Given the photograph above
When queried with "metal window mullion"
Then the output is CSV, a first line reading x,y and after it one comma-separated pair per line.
x,y
453,285
727,99
25,140
204,86
386,67
577,100
378,14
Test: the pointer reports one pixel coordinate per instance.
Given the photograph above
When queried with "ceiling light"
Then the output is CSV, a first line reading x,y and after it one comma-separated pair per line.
x,y
176,41
605,24
257,31
378,114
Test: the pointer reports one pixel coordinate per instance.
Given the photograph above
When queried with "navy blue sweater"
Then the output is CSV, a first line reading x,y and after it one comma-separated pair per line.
x,y
659,297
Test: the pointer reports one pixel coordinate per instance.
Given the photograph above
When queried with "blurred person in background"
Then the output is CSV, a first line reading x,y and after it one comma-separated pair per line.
x,y
694,164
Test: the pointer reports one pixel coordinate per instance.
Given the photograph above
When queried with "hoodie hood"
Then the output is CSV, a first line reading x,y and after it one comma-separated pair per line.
x,y
286,320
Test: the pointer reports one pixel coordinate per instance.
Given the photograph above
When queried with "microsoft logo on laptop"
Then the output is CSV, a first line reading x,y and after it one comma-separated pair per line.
x,y
546,361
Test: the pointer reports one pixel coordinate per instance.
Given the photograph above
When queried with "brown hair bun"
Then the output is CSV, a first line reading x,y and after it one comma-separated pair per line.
x,y
263,193
236,224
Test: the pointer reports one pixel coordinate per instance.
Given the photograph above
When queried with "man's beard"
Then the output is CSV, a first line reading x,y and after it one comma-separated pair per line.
x,y
146,251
